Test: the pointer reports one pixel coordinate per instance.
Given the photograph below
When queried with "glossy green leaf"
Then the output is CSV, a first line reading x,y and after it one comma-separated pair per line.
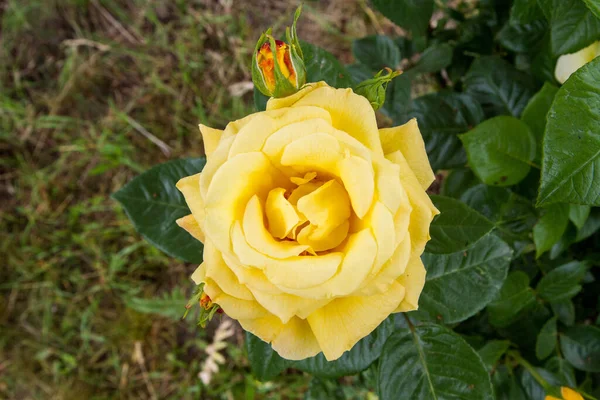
x,y
513,215
321,65
579,214
506,386
532,387
153,203
377,52
398,99
498,86
433,59
413,15
431,362
260,100
459,181
535,114
594,6
442,116
492,351
522,38
266,364
457,226
550,227
357,359
461,284
562,370
500,150
525,11
515,298
580,345
564,311
562,283
546,340
572,141
573,26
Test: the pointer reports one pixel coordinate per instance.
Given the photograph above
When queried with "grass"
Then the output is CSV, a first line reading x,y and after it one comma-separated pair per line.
x,y
93,92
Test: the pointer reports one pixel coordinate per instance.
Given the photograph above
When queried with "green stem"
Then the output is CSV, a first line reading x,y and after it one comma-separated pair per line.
x,y
531,369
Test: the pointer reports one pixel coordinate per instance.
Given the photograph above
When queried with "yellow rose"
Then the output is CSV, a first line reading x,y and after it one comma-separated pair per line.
x,y
567,394
569,63
313,220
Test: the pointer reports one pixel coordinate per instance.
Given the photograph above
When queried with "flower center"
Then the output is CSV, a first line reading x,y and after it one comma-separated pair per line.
x,y
316,213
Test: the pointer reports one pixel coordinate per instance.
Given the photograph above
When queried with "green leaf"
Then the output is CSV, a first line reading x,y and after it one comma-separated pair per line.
x,y
321,65
550,227
580,345
433,59
546,340
498,86
573,26
457,226
398,99
594,6
562,370
319,389
260,100
525,11
562,283
458,181
564,311
500,150
377,52
492,351
532,387
153,203
170,305
515,298
461,284
357,359
522,38
266,364
413,15
506,386
431,362
513,215
579,214
535,114
442,116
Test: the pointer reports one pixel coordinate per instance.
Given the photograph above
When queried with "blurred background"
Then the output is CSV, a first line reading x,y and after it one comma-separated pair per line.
x,y
93,92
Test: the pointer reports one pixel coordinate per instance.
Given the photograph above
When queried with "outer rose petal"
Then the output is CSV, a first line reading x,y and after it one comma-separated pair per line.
x,y
350,112
407,139
346,320
190,224
190,188
296,340
423,209
210,137
413,281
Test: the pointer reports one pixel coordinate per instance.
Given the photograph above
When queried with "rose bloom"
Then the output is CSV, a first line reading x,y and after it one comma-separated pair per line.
x,y
313,220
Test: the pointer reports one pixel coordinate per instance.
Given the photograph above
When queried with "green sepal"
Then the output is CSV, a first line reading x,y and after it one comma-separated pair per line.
x,y
374,89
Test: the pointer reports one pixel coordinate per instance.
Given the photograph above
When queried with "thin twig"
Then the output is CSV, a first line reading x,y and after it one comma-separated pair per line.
x,y
136,125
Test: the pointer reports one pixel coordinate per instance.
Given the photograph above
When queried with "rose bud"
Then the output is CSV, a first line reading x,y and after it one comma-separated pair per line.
x,y
278,67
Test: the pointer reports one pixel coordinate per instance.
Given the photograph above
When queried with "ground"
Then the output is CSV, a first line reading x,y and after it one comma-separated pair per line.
x,y
92,92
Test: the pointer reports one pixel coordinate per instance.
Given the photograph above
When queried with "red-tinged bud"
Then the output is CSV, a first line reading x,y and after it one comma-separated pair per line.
x,y
278,67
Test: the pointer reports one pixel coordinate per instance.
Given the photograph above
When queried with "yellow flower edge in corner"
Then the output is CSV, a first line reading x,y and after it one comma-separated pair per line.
x,y
569,63
313,220
567,394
